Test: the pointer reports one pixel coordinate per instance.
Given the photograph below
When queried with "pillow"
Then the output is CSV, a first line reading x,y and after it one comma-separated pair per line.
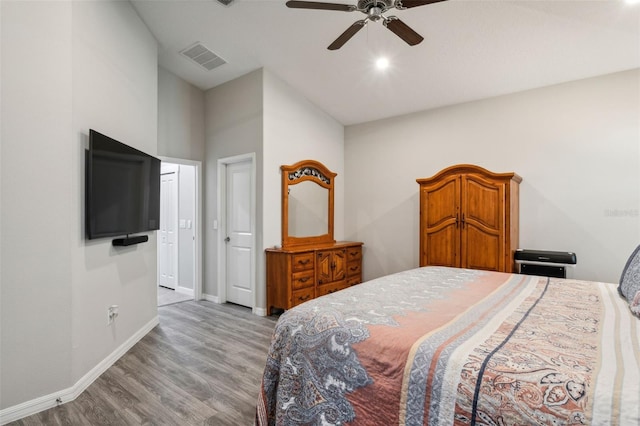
x,y
629,286
635,304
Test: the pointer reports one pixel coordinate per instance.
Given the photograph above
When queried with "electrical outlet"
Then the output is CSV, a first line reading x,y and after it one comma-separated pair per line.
x,y
112,314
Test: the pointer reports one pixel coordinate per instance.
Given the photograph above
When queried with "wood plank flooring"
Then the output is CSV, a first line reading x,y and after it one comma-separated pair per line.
x,y
201,366
167,296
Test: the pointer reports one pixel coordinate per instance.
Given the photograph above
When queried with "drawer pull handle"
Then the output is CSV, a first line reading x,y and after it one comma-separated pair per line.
x,y
354,253
303,298
303,262
354,268
304,279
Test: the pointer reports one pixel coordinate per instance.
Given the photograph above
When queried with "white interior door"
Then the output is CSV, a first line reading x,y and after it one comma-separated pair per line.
x,y
239,234
167,236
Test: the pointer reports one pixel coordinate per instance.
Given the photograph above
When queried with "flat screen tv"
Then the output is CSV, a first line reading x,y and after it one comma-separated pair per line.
x,y
122,189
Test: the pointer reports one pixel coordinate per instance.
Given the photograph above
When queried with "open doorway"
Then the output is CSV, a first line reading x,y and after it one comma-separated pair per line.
x,y
179,237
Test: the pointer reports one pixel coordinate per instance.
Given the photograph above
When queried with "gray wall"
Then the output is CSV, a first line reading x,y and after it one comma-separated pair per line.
x,y
181,135
181,123
56,286
294,130
576,146
233,116
260,113
37,174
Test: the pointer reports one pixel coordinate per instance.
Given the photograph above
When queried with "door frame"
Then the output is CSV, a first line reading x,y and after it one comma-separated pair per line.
x,y
222,219
197,267
175,169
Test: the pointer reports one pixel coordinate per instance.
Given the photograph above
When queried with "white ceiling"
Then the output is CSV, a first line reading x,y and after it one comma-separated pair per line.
x,y
473,49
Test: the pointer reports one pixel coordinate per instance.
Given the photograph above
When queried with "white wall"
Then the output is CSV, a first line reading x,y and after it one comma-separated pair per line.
x,y
576,146
56,286
180,118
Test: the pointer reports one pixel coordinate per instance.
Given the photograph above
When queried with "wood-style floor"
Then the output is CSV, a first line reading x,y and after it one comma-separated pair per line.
x,y
201,366
167,296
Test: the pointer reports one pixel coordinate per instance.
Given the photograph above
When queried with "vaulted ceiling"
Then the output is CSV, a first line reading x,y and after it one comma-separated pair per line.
x,y
472,49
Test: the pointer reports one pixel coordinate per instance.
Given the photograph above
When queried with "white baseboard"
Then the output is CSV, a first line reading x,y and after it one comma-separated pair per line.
x,y
42,403
184,290
211,298
215,299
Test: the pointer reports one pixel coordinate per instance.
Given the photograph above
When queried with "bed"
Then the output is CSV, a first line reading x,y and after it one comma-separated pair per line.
x,y
438,345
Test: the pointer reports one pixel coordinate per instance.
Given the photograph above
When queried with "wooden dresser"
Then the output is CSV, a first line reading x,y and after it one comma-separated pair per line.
x,y
469,218
296,275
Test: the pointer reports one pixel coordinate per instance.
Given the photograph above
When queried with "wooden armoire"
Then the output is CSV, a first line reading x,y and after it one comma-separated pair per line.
x,y
469,218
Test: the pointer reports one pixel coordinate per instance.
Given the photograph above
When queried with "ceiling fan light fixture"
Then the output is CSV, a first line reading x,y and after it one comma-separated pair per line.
x,y
374,10
382,63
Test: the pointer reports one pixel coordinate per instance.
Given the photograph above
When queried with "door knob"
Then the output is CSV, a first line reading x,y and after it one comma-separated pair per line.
x,y
226,240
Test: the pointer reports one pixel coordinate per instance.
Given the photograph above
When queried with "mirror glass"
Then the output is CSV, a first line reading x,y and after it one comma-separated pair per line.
x,y
308,209
307,204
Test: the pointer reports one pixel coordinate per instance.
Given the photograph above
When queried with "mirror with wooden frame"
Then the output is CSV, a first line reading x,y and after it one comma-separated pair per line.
x,y
307,204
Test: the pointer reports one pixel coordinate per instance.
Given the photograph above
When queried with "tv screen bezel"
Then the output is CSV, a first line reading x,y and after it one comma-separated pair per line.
x,y
151,182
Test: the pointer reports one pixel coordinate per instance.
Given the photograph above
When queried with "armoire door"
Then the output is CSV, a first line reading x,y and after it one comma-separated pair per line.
x,y
440,215
482,223
469,218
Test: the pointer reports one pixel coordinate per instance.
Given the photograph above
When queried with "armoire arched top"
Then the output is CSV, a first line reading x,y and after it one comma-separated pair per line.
x,y
471,168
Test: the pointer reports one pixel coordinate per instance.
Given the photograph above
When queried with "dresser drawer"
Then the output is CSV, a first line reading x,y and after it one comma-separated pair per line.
x,y
301,296
354,253
302,279
353,268
330,288
302,261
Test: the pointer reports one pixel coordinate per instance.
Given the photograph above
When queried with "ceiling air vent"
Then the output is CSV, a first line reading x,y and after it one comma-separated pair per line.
x,y
203,56
225,2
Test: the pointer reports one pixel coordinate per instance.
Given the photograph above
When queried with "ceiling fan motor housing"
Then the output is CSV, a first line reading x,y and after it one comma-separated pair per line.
x,y
366,5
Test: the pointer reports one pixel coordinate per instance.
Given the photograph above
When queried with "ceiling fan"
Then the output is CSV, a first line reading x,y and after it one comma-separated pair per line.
x,y
374,10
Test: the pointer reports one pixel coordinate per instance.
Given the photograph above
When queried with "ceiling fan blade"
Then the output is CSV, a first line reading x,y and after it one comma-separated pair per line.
x,y
296,4
402,30
345,36
407,4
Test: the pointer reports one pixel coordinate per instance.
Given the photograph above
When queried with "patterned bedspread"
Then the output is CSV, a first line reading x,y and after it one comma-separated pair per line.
x,y
449,346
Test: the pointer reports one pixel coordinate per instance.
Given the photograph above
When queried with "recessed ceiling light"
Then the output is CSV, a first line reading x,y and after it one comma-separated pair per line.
x,y
382,63
632,1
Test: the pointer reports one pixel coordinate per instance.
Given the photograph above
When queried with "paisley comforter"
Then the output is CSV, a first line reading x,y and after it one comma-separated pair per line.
x,y
448,346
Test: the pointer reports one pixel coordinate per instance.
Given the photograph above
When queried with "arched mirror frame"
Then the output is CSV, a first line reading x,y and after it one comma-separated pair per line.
x,y
316,172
